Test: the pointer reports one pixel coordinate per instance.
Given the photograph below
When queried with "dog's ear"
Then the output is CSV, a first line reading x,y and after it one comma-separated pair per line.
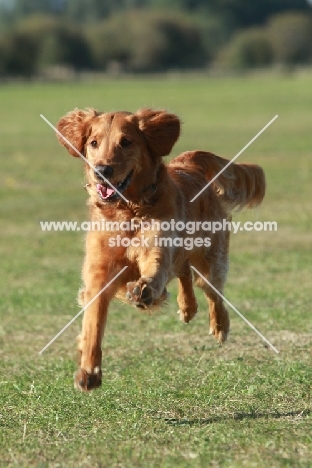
x,y
160,129
75,128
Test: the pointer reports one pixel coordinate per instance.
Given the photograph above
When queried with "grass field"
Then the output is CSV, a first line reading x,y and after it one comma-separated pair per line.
x,y
170,396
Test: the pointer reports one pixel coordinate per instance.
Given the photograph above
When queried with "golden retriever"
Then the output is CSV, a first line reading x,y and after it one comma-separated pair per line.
x,y
128,180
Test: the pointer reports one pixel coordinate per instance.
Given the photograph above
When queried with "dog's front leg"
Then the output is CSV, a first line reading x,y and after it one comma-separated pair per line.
x,y
155,268
89,375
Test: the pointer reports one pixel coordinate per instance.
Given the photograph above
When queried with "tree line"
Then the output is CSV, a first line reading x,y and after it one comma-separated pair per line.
x,y
152,35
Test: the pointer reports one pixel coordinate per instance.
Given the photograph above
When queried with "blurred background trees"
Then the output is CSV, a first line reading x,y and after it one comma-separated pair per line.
x,y
152,35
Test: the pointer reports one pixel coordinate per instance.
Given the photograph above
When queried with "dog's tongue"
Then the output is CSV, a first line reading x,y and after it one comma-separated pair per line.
x,y
104,190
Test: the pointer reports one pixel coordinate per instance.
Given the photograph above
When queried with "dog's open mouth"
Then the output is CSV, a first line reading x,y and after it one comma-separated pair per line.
x,y
108,193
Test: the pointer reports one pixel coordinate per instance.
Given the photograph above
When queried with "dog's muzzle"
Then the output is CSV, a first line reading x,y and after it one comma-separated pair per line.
x,y
109,193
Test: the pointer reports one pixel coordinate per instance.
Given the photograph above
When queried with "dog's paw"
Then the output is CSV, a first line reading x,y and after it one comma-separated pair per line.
x,y
220,330
187,315
139,293
220,335
86,381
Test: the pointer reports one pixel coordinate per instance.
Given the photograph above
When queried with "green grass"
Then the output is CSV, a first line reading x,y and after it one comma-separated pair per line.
x,y
170,396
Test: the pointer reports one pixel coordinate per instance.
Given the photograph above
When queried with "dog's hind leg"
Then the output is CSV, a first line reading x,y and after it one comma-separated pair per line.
x,y
186,297
214,267
218,314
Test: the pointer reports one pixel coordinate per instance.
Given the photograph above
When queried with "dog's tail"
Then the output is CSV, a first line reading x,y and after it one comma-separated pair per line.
x,y
237,185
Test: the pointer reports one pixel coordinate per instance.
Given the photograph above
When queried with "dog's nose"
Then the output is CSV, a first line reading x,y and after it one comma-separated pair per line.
x,y
105,171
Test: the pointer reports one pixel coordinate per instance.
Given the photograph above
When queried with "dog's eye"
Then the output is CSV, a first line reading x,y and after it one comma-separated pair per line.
x,y
94,143
124,143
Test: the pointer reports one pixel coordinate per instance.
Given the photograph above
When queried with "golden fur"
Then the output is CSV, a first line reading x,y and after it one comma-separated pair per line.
x,y
132,145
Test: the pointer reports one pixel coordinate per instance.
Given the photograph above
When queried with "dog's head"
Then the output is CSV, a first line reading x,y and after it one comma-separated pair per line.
x,y
123,149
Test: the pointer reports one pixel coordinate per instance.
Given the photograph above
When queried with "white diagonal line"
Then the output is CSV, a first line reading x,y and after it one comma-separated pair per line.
x,y
232,160
82,310
235,310
82,157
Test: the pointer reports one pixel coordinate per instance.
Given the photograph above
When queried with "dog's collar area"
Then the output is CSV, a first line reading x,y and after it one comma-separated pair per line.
x,y
150,189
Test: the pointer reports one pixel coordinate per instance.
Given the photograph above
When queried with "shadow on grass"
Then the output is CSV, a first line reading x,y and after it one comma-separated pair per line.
x,y
235,417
